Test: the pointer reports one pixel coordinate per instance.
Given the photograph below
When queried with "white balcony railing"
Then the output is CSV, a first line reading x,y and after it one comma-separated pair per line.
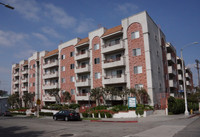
x,y
172,83
82,96
50,86
16,81
187,75
179,67
16,74
51,64
114,79
82,69
16,89
109,48
48,98
114,63
25,71
50,75
25,88
83,83
171,58
24,80
171,70
180,77
84,55
188,83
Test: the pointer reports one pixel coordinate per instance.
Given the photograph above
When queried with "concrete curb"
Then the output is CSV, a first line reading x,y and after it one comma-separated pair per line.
x,y
114,121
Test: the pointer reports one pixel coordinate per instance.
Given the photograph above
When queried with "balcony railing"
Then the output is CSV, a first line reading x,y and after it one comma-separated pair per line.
x,y
50,64
172,83
48,98
16,89
171,58
16,73
114,62
83,83
171,70
16,81
25,71
187,75
50,86
180,77
179,67
50,75
188,83
82,55
114,79
83,68
82,96
109,47
25,88
24,80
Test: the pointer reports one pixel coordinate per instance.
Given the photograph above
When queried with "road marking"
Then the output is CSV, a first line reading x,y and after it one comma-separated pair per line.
x,y
160,131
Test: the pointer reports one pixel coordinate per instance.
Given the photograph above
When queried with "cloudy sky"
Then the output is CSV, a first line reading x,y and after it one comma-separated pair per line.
x,y
37,25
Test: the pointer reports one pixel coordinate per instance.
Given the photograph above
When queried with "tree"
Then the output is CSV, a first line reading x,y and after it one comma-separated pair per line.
x,y
141,95
55,92
28,99
124,95
2,92
97,94
14,100
67,96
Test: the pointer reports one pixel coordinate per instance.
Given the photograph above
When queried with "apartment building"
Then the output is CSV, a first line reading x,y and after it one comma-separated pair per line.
x,y
133,54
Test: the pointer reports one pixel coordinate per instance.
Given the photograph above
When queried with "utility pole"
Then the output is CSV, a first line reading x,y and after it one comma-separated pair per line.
x,y
197,66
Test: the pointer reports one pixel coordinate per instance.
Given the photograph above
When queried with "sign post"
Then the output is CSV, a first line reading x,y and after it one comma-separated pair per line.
x,y
132,102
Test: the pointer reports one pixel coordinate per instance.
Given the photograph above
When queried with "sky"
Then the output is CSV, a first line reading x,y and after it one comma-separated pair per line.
x,y
37,25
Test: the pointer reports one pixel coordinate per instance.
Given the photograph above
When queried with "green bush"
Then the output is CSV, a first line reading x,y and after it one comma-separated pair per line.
x,y
90,115
139,111
99,108
108,115
102,114
45,113
85,114
96,115
176,106
15,113
118,108
74,106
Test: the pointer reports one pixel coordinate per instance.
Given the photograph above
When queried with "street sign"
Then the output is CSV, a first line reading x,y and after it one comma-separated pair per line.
x,y
131,102
180,90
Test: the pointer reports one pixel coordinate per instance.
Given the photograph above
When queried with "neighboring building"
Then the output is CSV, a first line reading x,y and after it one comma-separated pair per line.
x,y
189,80
134,55
4,106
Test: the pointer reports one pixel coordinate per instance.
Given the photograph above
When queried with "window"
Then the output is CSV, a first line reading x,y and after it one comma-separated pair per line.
x,y
30,85
30,75
71,66
96,46
72,79
33,84
33,74
63,68
137,69
96,61
72,91
62,80
62,56
135,35
71,54
136,52
138,86
97,75
33,65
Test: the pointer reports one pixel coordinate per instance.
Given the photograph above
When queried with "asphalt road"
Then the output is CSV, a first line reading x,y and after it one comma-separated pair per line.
x,y
47,127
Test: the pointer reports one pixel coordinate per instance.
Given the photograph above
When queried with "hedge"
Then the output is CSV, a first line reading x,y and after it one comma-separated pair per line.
x,y
45,113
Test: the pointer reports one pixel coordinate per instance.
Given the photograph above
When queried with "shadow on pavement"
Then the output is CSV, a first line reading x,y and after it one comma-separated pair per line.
x,y
18,132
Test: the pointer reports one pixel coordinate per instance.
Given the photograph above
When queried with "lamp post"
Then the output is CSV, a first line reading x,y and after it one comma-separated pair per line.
x,y
7,6
183,70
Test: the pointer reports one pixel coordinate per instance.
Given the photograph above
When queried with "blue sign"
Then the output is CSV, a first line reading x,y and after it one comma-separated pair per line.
x,y
131,102
180,91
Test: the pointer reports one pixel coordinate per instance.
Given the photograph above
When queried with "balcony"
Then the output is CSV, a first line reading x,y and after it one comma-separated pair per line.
x,y
82,96
110,97
187,75
172,84
83,83
171,70
188,83
114,79
82,55
16,89
25,71
16,81
25,88
48,98
180,77
50,86
110,48
82,69
114,63
179,67
16,74
50,75
171,58
51,64
24,80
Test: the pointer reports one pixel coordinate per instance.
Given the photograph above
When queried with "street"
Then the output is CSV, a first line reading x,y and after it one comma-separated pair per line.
x,y
47,127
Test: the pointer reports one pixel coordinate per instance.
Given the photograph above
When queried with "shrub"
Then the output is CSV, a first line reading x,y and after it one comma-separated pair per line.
x,y
74,106
118,108
45,113
96,115
139,111
176,106
85,114
15,113
102,114
108,115
89,115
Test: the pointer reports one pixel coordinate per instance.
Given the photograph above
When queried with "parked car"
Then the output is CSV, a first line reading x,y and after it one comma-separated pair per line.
x,y
67,115
7,113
